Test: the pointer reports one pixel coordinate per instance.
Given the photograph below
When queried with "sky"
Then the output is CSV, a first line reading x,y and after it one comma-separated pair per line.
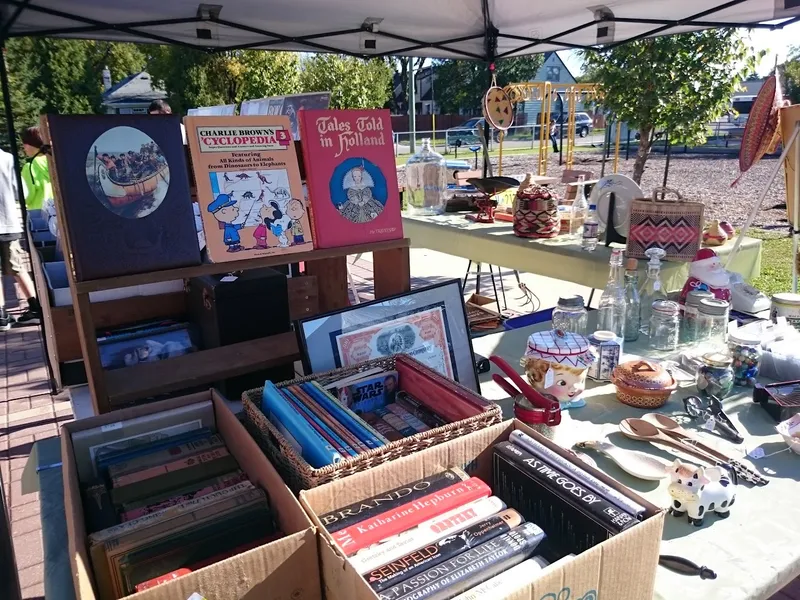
x,y
774,42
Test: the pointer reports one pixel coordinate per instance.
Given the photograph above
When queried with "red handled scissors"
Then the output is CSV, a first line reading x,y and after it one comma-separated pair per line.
x,y
530,407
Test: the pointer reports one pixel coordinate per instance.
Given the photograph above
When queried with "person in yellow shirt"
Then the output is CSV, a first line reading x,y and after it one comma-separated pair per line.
x,y
35,172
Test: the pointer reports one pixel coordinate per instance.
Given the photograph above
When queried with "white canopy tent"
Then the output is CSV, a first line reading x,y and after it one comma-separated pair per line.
x,y
476,29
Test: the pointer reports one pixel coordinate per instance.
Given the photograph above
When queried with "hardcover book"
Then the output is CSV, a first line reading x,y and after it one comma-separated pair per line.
x,y
124,191
248,186
351,176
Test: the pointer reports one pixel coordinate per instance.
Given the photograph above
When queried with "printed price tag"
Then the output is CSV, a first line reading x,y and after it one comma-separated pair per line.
x,y
656,285
228,279
549,377
111,427
709,424
756,453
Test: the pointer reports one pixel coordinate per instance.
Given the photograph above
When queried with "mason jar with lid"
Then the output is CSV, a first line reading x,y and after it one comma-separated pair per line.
x,y
691,313
745,350
664,325
712,321
570,315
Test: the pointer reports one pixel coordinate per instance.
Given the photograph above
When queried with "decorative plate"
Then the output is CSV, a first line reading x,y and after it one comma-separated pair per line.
x,y
497,108
626,191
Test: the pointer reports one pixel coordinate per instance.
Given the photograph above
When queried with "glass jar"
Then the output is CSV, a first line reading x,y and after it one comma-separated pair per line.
x,y
664,325
745,350
712,321
570,315
689,320
715,375
426,181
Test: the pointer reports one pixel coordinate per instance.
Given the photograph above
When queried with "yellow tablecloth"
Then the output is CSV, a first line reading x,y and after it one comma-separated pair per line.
x,y
558,258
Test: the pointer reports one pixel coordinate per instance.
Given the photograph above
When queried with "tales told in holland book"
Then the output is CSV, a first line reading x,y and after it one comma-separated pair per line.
x,y
248,186
351,176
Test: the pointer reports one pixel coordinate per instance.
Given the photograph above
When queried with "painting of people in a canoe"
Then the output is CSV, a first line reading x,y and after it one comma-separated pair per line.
x,y
128,172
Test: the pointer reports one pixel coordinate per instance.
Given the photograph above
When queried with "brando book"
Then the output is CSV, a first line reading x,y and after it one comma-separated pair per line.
x,y
248,186
124,193
364,509
386,524
351,176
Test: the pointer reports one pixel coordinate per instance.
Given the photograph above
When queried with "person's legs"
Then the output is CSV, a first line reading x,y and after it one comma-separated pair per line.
x,y
16,264
5,269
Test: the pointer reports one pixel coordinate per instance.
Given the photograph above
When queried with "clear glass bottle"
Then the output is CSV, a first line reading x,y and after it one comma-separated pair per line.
x,y
580,208
611,313
570,315
712,322
652,289
591,230
664,325
632,301
426,182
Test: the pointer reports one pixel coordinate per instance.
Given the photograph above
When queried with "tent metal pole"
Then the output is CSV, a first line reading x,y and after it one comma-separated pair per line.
x,y
796,205
412,107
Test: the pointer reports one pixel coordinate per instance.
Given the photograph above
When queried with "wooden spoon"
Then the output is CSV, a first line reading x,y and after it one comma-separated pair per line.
x,y
639,429
671,427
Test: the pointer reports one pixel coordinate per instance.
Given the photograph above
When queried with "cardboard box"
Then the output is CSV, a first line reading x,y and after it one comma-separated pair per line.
x,y
620,568
281,570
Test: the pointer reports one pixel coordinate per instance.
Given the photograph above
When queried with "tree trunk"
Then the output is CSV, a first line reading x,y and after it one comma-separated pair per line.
x,y
645,141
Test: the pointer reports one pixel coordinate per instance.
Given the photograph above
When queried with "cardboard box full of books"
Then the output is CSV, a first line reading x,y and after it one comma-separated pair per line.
x,y
622,567
283,568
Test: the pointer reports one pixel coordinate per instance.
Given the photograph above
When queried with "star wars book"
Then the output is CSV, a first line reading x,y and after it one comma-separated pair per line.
x,y
124,193
248,186
351,176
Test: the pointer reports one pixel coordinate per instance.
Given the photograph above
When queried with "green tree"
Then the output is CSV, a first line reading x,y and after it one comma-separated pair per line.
x,y
195,78
790,71
466,81
353,82
675,84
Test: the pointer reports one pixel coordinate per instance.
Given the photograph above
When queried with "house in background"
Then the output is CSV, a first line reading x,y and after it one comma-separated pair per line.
x,y
553,70
132,95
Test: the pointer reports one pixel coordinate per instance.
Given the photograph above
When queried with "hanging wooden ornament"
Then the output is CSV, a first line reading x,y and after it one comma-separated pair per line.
x,y
497,107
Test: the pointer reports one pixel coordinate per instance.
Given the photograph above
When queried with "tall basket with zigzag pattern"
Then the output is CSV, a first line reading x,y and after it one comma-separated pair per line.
x,y
673,224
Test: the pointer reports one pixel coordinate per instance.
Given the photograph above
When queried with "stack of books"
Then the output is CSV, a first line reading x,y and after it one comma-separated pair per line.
x,y
165,508
338,418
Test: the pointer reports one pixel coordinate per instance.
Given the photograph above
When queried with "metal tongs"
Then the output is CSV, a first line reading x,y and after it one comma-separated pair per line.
x,y
710,410
530,407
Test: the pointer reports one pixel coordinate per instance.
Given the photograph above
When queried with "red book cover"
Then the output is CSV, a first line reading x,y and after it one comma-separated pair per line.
x,y
365,533
351,176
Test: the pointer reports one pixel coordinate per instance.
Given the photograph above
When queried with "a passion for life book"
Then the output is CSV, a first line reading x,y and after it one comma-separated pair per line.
x,y
351,176
248,186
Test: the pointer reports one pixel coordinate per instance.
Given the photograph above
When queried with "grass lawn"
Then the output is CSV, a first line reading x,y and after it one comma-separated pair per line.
x,y
776,262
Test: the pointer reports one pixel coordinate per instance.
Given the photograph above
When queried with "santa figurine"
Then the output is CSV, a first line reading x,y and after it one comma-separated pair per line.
x,y
707,273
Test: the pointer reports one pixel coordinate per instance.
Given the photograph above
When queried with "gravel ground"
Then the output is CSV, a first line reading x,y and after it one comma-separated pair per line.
x,y
698,177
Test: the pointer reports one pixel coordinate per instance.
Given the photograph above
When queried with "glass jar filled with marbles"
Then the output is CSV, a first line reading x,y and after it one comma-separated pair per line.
x,y
745,351
715,375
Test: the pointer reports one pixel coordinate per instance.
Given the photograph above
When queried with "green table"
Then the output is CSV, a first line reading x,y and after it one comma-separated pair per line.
x,y
755,551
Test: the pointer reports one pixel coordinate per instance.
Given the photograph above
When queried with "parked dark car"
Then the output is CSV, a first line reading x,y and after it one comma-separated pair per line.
x,y
466,133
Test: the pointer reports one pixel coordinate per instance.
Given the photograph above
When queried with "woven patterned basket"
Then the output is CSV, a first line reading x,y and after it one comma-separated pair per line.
x,y
299,475
535,211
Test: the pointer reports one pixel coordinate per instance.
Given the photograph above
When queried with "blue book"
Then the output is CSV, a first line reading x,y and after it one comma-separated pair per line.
x,y
298,405
106,459
315,450
365,433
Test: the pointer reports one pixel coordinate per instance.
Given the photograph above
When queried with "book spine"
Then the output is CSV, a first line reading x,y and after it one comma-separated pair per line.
x,y
345,416
392,419
408,418
165,578
315,450
182,495
106,457
504,583
545,454
170,467
164,456
470,568
428,532
352,539
169,512
382,427
585,500
359,511
318,424
419,410
431,555
356,444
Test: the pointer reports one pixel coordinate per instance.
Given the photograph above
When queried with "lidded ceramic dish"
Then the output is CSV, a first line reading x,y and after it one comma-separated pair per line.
x,y
643,383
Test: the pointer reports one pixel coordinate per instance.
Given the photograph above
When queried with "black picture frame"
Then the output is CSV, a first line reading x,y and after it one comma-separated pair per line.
x,y
455,321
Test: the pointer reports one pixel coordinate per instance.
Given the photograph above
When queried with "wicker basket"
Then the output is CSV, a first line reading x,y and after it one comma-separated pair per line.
x,y
299,475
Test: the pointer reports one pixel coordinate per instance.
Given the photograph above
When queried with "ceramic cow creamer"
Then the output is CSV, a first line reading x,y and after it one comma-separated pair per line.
x,y
697,491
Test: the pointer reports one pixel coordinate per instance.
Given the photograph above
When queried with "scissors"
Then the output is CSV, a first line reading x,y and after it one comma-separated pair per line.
x,y
530,407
